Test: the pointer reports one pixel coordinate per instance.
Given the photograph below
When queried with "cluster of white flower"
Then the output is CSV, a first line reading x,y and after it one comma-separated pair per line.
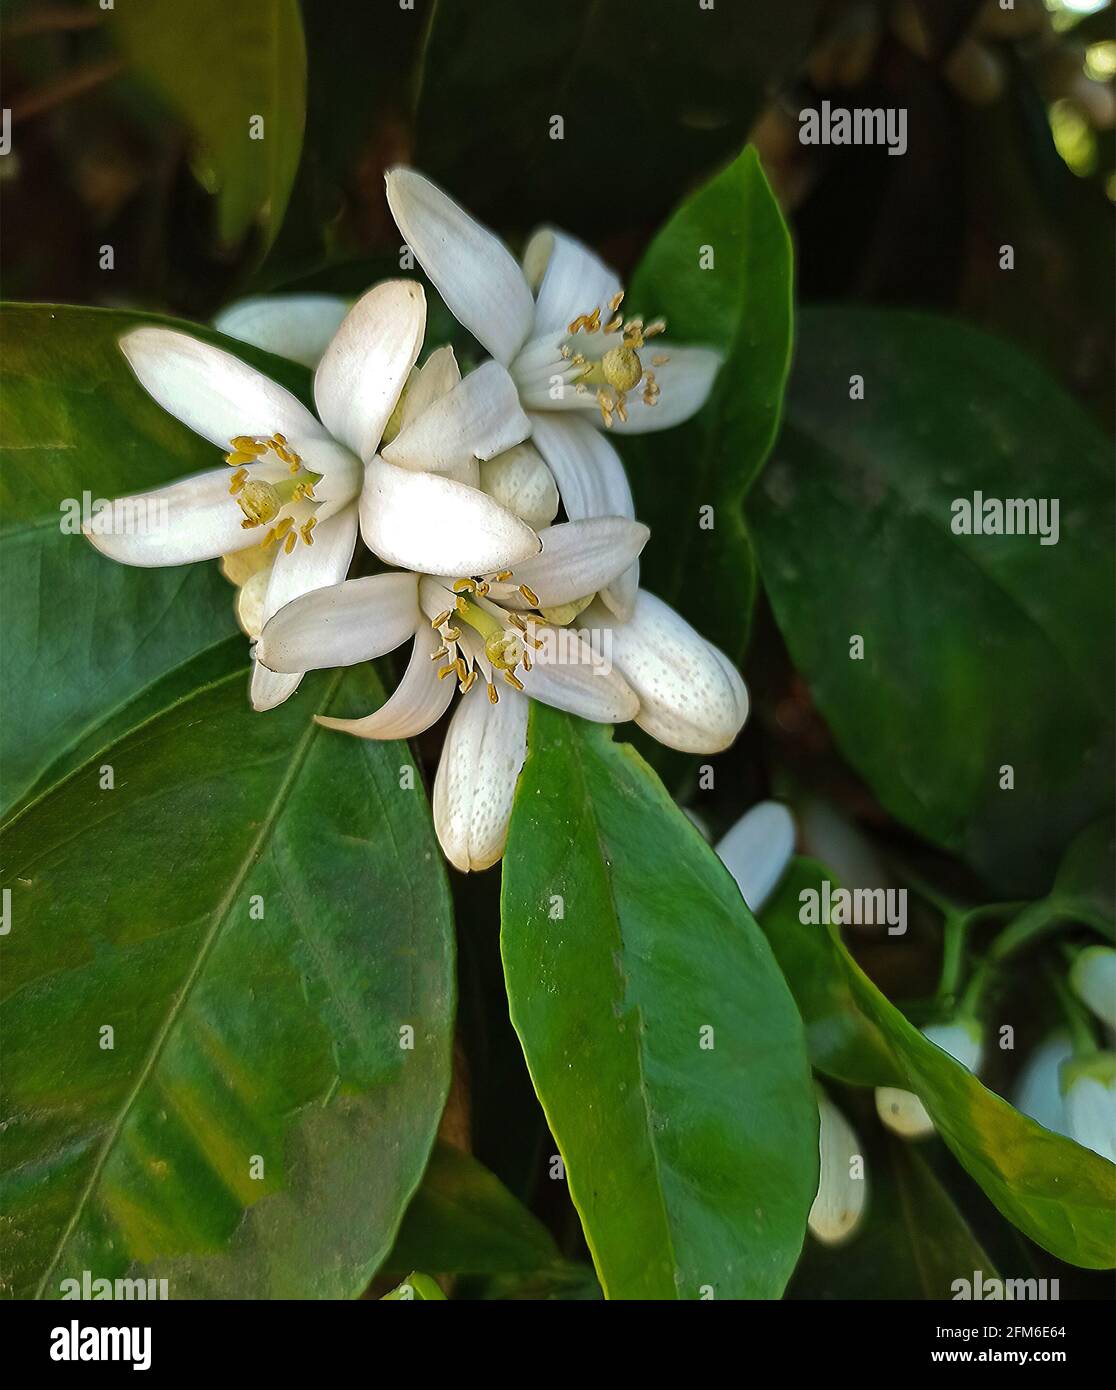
x,y
455,483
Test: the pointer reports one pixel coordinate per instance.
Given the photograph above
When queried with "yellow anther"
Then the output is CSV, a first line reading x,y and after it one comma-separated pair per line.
x,y
493,694
468,683
306,528
526,659
290,543
238,458
616,300
450,670
464,586
513,679
614,325
452,634
248,524
245,444
481,589
530,595
441,618
653,329
517,621
441,652
237,481
279,438
503,576
462,669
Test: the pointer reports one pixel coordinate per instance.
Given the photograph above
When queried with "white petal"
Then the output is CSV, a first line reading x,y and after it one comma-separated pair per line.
x,y
316,566
296,326
437,376
685,383
839,1203
419,700
520,480
572,671
473,270
250,598
590,477
435,525
1037,1092
214,393
577,559
477,419
475,783
269,689
1093,978
576,281
591,482
193,519
757,850
690,696
342,624
367,364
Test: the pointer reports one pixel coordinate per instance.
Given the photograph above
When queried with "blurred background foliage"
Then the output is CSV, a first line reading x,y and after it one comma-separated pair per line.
x,y
116,143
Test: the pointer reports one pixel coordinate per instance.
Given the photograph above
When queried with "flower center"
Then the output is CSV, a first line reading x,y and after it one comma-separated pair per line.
x,y
620,369
263,500
506,645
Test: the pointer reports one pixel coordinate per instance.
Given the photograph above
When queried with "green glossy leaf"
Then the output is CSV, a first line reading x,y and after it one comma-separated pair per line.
x,y
649,100
842,1042
1053,1190
418,1288
89,645
223,67
912,1242
257,910
979,650
1082,892
741,305
623,938
463,1220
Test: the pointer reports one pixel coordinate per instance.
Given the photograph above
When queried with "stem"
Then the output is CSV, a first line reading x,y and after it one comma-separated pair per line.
x,y
1077,1019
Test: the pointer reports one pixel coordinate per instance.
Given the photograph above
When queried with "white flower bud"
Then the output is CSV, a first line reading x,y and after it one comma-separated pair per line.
x,y
842,1187
1089,1089
1038,1092
757,850
1093,979
902,1111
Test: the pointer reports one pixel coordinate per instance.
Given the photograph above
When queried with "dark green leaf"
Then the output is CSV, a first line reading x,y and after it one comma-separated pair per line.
x,y
740,305
841,1040
463,1220
258,911
979,651
691,1155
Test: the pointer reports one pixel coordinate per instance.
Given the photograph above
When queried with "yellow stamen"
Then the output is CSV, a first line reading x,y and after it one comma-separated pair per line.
x,y
530,595
441,618
449,670
493,694
513,679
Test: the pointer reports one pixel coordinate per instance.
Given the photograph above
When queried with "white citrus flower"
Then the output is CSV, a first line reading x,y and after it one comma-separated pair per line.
x,y
842,1186
576,359
1089,1095
757,850
296,326
494,635
1093,980
1038,1091
902,1111
291,497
